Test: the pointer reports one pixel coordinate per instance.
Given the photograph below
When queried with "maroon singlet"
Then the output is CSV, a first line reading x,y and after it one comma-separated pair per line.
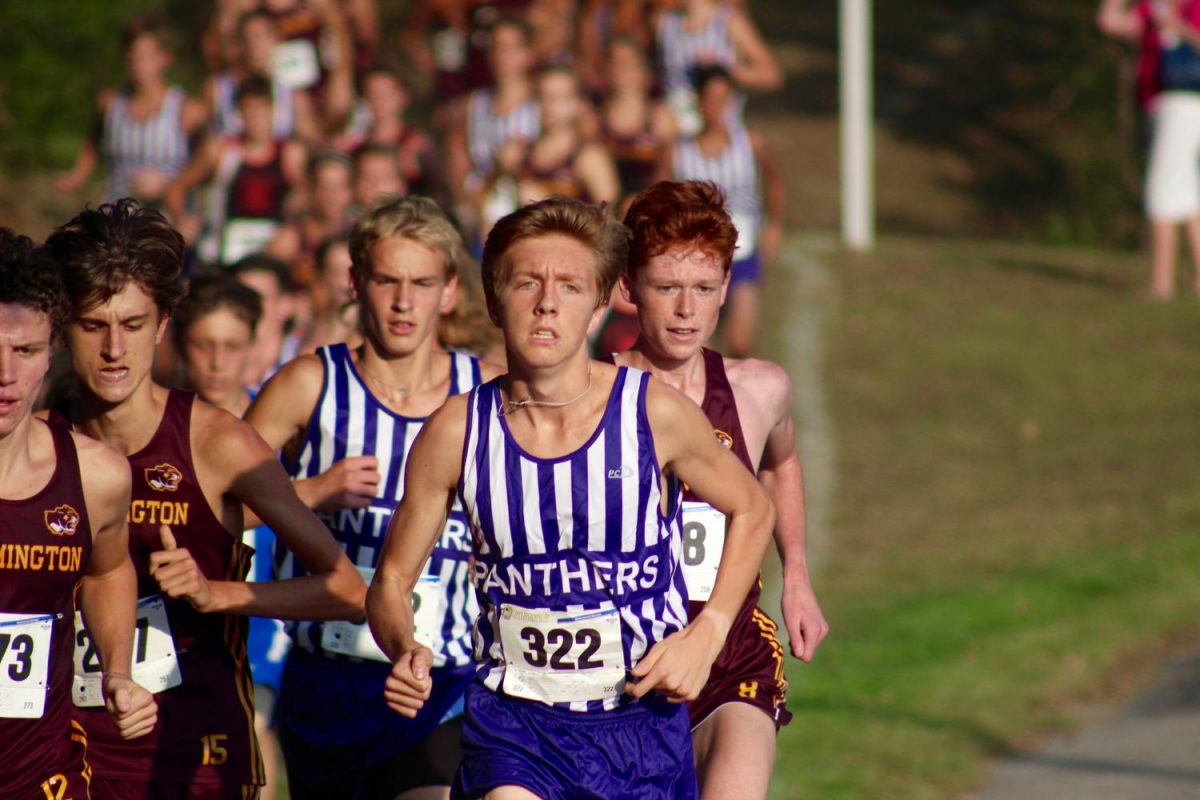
x,y
749,668
45,546
205,731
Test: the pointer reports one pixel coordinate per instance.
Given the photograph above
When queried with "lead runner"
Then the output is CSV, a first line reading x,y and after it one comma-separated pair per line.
x,y
677,276
569,473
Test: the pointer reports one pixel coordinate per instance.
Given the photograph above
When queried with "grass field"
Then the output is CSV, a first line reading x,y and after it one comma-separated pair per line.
x,y
1015,514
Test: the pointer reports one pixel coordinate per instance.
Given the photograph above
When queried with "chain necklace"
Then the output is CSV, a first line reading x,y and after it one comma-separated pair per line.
x,y
512,405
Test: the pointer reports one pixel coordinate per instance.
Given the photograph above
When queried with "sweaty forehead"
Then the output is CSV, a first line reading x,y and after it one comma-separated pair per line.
x,y
130,301
21,324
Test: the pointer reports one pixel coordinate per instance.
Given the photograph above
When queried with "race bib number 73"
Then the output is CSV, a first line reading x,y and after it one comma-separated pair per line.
x,y
24,664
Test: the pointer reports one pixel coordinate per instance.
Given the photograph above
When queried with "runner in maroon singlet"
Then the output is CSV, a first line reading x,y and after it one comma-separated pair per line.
x,y
62,532
678,274
193,467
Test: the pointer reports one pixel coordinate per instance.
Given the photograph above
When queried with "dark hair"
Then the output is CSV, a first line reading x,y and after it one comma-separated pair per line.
x,y
327,244
261,262
211,293
103,249
591,226
153,25
254,86
679,214
702,75
323,157
26,279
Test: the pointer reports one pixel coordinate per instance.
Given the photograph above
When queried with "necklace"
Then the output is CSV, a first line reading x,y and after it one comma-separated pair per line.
x,y
402,391
512,405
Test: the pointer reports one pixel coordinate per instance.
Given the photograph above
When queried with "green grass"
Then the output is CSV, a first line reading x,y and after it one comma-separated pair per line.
x,y
1016,514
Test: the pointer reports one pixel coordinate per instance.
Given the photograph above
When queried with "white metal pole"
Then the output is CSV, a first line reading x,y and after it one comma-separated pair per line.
x,y
858,162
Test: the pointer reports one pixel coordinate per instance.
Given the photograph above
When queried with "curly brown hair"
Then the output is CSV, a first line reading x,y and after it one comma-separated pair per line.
x,y
103,249
27,280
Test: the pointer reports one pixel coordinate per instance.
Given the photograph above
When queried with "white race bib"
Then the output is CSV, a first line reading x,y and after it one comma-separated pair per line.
x,y
294,64
356,639
24,664
242,237
703,543
562,656
155,663
747,230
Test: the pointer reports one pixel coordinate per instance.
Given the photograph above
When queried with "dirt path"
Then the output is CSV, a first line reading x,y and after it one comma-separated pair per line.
x,y
1149,750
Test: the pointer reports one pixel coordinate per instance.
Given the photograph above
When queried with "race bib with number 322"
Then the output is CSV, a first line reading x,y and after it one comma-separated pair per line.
x,y
560,656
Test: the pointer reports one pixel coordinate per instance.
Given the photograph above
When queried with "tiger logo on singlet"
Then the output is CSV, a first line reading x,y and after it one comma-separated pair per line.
x,y
62,520
164,477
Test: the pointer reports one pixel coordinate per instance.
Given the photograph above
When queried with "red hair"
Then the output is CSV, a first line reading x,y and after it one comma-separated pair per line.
x,y
673,214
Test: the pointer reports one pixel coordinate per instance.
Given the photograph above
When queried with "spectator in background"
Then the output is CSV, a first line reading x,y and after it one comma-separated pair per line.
x,y
1169,92
293,113
142,132
435,38
275,342
563,159
250,176
376,173
738,161
602,22
335,314
328,211
637,129
705,32
488,119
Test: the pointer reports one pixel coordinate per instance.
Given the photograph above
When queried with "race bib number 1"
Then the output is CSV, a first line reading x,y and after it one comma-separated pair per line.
x,y
24,664
562,657
155,663
356,639
703,543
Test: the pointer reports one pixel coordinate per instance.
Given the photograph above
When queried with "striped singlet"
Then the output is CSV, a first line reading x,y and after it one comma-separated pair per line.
x,y
735,170
349,421
158,143
680,49
576,566
488,132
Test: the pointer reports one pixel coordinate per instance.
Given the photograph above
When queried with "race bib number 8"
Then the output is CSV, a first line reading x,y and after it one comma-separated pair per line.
x,y
703,543
24,665
155,663
356,639
562,657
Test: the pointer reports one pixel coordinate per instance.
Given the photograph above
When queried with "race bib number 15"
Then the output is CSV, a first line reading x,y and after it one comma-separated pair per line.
x,y
24,664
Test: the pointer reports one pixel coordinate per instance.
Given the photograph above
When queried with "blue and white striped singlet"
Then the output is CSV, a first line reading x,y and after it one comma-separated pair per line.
x,y
576,565
735,170
488,132
349,421
158,143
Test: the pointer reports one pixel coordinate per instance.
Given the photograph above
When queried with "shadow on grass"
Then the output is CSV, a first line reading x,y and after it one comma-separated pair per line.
x,y
1062,272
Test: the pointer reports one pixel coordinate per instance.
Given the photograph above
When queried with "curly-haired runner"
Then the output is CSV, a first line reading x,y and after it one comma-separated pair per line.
x,y
63,499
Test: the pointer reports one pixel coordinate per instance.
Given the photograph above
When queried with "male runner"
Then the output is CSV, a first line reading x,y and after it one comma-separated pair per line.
x,y
345,420
568,471
194,466
677,276
64,499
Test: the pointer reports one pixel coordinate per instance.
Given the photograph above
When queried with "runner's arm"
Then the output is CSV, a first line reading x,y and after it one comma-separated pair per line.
x,y
678,666
430,479
756,66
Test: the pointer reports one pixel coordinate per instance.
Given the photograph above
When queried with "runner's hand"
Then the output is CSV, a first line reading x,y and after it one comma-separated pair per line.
x,y
178,574
806,625
350,483
678,666
132,708
409,685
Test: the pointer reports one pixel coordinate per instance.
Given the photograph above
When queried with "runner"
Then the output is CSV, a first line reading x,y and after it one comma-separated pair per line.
x,y
345,420
568,470
678,274
121,269
64,499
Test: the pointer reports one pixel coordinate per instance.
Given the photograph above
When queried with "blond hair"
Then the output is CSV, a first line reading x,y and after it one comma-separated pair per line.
x,y
417,219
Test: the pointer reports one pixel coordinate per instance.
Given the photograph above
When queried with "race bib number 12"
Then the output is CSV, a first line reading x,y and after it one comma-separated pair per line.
x,y
562,657
24,664
155,663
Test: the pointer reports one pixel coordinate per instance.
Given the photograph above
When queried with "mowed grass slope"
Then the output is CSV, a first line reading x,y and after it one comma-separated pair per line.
x,y
1017,509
